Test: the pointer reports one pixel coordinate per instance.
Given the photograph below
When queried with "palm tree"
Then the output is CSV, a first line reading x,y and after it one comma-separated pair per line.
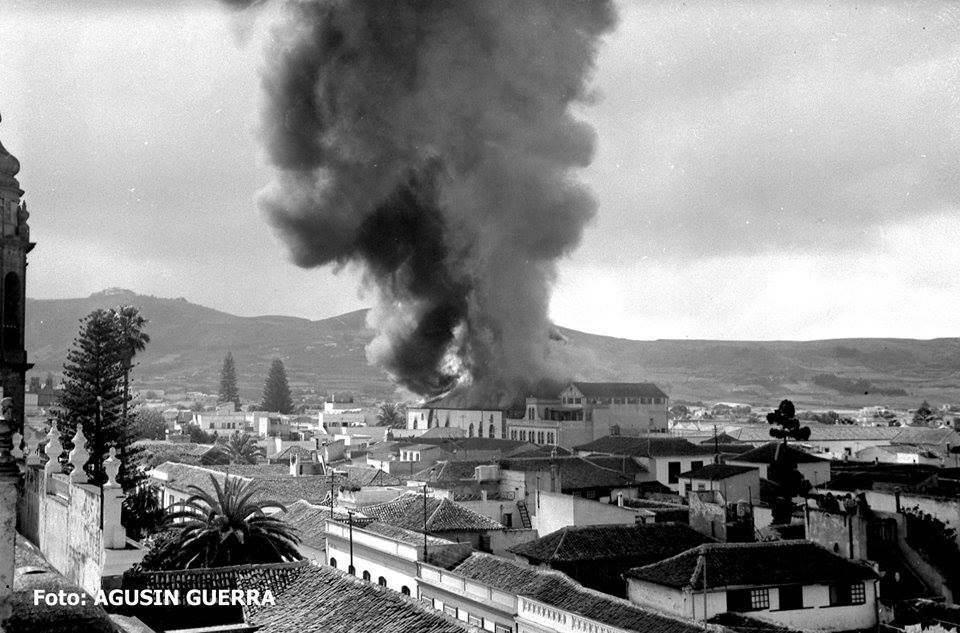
x,y
226,528
133,339
392,414
241,448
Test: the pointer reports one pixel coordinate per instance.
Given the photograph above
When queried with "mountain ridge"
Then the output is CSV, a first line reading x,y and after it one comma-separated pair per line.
x,y
189,341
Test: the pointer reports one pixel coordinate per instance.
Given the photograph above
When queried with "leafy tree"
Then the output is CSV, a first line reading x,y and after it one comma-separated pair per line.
x,y
392,414
923,414
198,407
241,448
226,528
142,513
93,396
228,382
148,424
785,416
198,435
276,391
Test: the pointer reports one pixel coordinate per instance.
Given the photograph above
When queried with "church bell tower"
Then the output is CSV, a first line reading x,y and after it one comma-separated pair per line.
x,y
14,245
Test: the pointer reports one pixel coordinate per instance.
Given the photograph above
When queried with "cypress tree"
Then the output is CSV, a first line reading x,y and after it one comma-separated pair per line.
x,y
276,391
228,382
93,394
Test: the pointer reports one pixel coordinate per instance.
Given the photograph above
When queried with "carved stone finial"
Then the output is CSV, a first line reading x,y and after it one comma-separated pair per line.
x,y
112,467
17,452
31,448
53,451
79,456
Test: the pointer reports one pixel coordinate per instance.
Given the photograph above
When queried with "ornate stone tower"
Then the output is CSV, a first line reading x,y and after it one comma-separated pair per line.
x,y
14,245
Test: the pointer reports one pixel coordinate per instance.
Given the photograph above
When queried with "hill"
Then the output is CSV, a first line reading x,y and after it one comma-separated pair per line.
x,y
189,342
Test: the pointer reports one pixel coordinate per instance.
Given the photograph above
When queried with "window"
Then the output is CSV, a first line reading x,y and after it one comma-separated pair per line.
x,y
673,472
366,576
696,465
405,590
791,597
470,430
513,434
382,581
549,438
748,600
474,620
539,437
492,432
480,430
352,570
842,595
532,414
507,519
502,628
333,562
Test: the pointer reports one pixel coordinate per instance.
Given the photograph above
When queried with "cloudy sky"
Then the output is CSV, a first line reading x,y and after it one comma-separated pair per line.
x,y
769,170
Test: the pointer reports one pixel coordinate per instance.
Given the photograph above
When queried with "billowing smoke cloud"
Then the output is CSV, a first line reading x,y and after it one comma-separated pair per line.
x,y
433,143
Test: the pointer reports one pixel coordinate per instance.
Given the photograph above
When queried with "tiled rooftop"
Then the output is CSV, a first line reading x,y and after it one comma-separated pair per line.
x,y
310,521
649,542
558,590
619,390
331,601
644,446
597,471
767,453
748,564
716,472
443,515
270,483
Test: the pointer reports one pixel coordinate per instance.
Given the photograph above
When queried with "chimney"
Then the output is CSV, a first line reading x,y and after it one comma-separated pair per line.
x,y
483,495
554,478
294,466
620,499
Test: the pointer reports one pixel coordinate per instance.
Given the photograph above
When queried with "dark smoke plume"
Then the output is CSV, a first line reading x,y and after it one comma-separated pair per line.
x,y
433,143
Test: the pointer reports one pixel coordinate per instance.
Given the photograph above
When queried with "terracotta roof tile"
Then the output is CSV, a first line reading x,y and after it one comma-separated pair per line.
x,y
748,564
322,599
582,472
619,390
716,472
558,590
650,542
443,515
644,446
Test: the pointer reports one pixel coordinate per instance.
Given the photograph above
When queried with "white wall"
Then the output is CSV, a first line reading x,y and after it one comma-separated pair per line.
x,y
557,511
816,614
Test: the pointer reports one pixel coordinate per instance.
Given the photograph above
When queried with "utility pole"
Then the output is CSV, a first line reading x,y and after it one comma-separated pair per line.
x,y
424,521
350,522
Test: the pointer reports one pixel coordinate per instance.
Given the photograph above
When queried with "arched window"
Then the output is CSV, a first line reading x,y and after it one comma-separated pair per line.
x,y
480,430
11,311
366,576
352,570
382,581
333,562
405,590
493,431
470,430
